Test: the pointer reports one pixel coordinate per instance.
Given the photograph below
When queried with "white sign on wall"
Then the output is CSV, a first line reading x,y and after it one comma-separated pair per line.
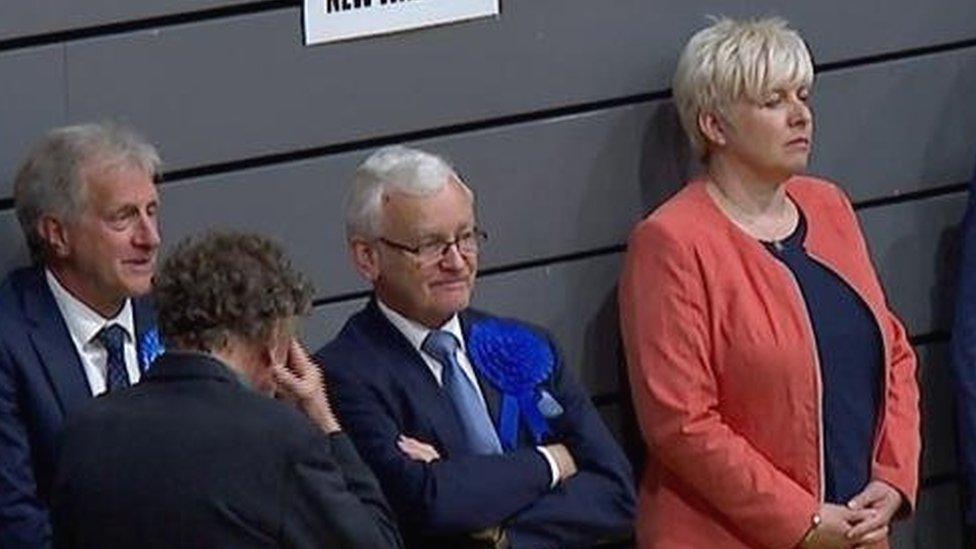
x,y
332,20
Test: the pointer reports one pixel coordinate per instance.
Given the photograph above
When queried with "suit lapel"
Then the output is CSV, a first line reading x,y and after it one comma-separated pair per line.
x,y
406,364
52,342
493,398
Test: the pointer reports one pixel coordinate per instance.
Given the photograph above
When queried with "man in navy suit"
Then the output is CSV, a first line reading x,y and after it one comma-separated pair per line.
x,y
229,442
86,201
963,357
478,434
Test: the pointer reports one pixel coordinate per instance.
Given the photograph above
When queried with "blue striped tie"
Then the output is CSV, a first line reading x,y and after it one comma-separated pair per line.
x,y
481,435
112,337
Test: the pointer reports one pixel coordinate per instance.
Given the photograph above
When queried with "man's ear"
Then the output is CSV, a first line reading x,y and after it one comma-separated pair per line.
x,y
713,127
55,234
365,257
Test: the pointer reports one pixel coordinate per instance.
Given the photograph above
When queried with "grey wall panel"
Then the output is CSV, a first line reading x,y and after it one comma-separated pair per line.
x,y
913,245
937,523
836,30
19,19
577,302
13,251
938,413
31,101
544,190
300,205
245,86
896,127
859,143
903,535
325,321
613,418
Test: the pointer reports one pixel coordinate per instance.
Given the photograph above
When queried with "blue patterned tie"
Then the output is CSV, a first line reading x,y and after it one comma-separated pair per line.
x,y
481,435
111,337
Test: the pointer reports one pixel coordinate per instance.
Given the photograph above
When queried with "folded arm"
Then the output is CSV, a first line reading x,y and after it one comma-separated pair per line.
x,y
597,503
456,494
899,442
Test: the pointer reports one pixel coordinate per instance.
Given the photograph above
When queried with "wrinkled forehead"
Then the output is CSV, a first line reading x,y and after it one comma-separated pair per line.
x,y
114,181
443,212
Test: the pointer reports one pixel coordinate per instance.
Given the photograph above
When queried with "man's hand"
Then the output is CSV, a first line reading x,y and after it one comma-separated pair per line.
x,y
564,460
300,381
835,522
882,501
416,450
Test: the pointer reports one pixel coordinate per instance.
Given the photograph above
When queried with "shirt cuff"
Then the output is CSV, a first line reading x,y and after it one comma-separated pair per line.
x,y
553,467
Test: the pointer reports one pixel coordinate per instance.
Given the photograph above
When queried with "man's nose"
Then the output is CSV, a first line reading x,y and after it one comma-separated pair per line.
x,y
147,233
453,258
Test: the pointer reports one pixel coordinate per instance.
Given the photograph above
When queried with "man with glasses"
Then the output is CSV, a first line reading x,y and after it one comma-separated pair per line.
x,y
479,436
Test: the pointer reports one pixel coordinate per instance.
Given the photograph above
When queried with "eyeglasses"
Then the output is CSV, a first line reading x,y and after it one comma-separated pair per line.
x,y
468,244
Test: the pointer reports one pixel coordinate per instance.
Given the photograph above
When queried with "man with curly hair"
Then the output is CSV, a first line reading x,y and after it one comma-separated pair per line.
x,y
478,434
198,455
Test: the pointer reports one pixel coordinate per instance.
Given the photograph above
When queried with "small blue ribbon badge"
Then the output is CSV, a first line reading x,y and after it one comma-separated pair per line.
x,y
515,360
150,347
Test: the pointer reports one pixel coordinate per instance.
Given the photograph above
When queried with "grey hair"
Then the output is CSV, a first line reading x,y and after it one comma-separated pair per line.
x,y
393,169
731,59
50,181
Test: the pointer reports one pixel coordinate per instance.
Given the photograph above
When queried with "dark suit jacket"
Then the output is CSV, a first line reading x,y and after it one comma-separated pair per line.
x,y
382,388
191,457
41,382
963,352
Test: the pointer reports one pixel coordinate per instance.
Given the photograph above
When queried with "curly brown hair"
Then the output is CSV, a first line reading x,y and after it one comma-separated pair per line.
x,y
226,283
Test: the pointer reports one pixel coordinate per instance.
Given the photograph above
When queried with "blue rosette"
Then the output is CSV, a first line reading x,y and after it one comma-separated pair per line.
x,y
150,347
515,360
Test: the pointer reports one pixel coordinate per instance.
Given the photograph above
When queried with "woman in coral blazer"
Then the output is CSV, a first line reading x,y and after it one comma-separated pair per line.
x,y
774,388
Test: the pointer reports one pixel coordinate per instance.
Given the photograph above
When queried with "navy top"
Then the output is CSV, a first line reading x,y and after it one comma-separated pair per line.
x,y
851,364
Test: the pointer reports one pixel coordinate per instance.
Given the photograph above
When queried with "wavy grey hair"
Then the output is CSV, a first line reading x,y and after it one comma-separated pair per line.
x,y
393,169
50,180
730,60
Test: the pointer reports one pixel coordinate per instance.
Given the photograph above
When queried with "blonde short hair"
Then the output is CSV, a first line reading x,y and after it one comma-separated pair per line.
x,y
733,59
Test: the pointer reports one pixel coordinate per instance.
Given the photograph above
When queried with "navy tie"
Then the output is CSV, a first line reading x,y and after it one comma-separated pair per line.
x,y
480,432
112,337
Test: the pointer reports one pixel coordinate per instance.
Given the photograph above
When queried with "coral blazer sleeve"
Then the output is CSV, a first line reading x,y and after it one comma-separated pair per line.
x,y
664,318
898,443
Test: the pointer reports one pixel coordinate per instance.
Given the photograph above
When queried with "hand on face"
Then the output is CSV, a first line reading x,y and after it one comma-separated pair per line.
x,y
299,380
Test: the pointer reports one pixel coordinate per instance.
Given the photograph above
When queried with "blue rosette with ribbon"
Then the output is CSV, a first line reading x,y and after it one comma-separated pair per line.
x,y
150,347
515,360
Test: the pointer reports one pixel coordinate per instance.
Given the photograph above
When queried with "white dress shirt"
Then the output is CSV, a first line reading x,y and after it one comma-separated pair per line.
x,y
84,323
416,333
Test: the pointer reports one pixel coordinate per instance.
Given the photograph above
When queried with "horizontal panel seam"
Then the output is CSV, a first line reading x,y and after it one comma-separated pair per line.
x,y
147,23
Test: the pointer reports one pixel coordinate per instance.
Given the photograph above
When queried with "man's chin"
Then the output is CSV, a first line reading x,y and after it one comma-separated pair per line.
x,y
138,287
450,307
